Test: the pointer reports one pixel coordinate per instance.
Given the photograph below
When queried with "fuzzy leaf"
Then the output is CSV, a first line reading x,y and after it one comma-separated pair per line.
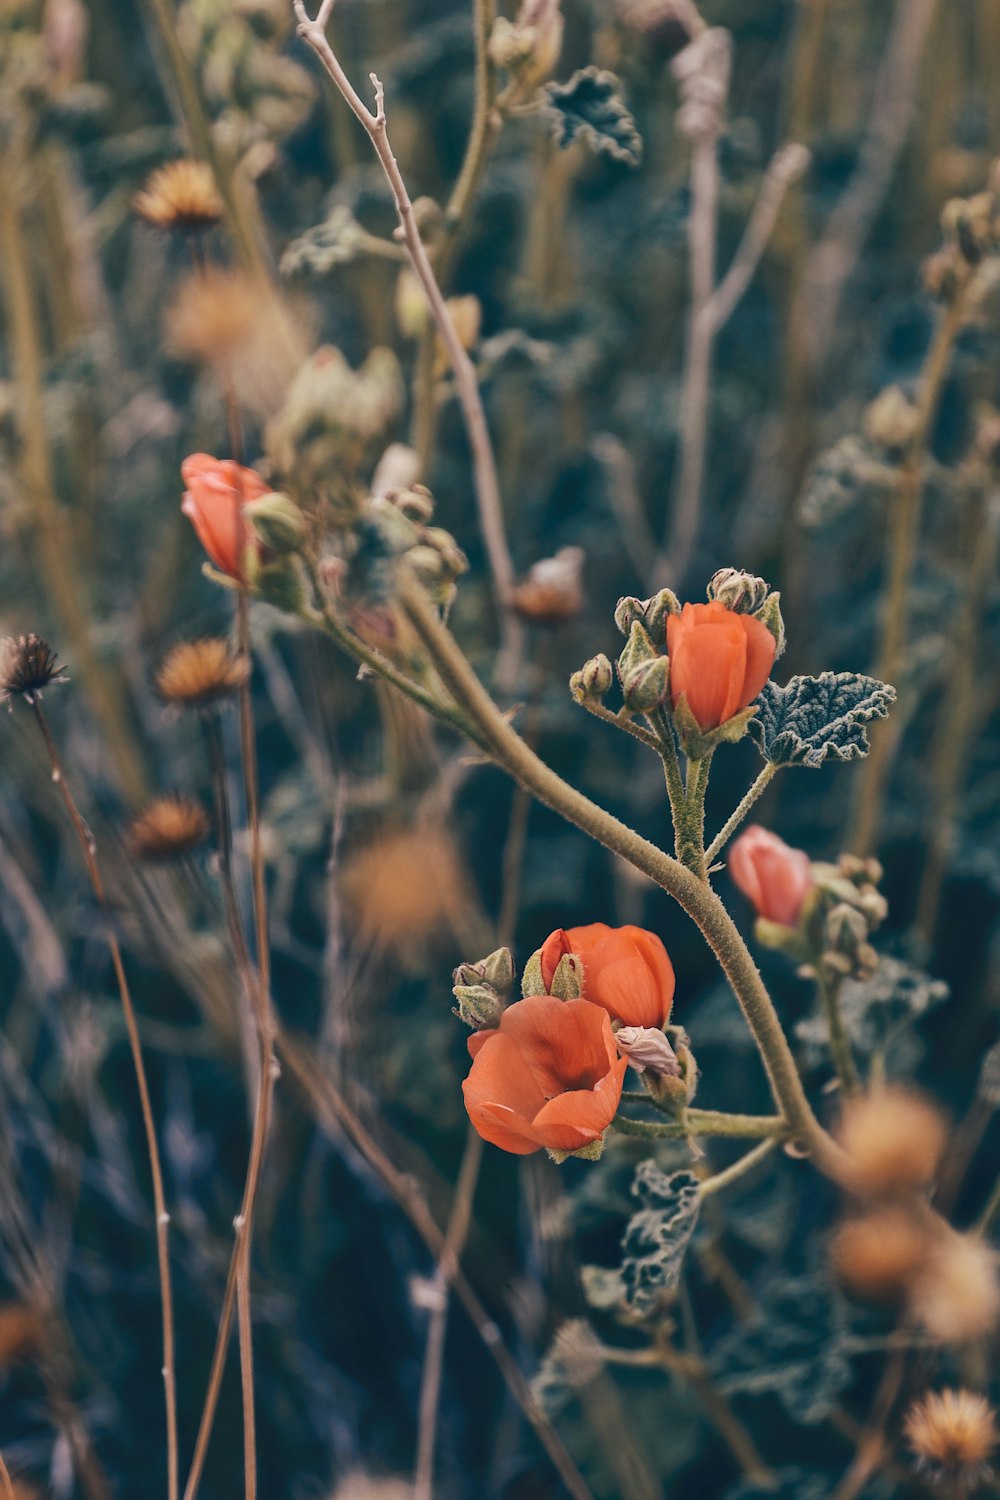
x,y
590,108
876,1010
794,1345
813,719
657,1237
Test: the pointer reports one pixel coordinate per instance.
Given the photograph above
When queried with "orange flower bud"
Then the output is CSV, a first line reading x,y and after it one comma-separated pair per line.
x,y
548,1075
719,661
217,490
775,877
625,970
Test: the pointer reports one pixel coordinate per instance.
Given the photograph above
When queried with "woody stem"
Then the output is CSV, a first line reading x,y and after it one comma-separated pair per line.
x,y
698,1122
695,895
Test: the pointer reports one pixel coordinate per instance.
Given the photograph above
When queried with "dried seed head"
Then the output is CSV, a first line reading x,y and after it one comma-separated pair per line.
x,y
27,665
195,674
553,589
181,195
168,828
877,1256
953,1434
956,1295
22,1333
406,887
893,1139
237,326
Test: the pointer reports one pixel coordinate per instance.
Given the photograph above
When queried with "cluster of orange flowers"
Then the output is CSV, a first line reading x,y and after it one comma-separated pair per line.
x,y
549,1074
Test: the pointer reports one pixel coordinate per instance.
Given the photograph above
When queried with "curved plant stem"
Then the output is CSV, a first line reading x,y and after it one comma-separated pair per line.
x,y
693,894
87,848
721,1180
901,551
840,1043
491,518
733,822
704,1122
621,720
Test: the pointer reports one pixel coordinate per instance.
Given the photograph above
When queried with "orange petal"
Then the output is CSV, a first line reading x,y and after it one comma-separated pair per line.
x,y
761,647
564,1043
501,1094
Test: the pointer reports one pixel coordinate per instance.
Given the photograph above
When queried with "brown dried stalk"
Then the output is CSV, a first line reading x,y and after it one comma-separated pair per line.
x,y
88,849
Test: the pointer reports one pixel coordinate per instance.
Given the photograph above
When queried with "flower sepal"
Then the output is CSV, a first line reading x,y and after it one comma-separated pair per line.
x,y
593,1151
672,1092
697,742
214,576
566,982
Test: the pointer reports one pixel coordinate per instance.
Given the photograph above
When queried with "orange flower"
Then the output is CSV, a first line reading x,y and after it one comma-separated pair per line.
x,y
549,1075
217,490
719,660
775,877
625,970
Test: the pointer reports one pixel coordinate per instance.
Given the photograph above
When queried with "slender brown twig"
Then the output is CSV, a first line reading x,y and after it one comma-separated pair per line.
x,y
491,518
89,851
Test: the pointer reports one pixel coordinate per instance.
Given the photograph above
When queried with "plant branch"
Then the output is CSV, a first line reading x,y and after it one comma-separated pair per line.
x,y
703,1122
786,167
721,1180
694,895
840,1042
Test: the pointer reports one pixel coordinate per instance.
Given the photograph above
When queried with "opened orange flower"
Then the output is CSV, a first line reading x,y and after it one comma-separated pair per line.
x,y
625,970
549,1075
217,490
719,661
775,877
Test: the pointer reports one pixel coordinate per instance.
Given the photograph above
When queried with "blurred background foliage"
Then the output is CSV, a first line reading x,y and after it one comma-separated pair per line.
x,y
392,853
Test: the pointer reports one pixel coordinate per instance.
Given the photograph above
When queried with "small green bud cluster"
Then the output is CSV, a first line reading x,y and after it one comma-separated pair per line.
x,y
481,988
401,517
843,911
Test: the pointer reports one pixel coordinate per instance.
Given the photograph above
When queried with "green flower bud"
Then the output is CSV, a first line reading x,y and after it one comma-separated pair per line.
x,y
647,685
567,981
281,584
741,592
650,613
532,982
496,970
479,1006
276,522
638,648
594,678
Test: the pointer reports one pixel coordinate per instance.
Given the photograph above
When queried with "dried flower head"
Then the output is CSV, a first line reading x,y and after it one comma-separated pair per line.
x,y
956,1295
406,887
22,1332
181,195
235,324
893,1139
953,1434
195,674
168,828
877,1256
553,589
27,665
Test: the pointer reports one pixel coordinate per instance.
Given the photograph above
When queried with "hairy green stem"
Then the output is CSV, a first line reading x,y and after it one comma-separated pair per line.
x,y
705,1122
722,1180
840,1043
733,822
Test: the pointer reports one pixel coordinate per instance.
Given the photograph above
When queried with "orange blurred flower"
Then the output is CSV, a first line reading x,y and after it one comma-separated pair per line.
x,y
549,1075
773,875
719,660
625,970
217,490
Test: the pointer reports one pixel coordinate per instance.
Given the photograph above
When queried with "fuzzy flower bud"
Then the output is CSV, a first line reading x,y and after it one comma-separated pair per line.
x,y
496,970
276,522
741,592
775,877
594,678
650,613
647,685
478,1005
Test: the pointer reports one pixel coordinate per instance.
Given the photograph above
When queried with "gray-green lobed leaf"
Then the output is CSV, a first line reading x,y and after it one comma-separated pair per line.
x,y
813,719
590,108
656,1238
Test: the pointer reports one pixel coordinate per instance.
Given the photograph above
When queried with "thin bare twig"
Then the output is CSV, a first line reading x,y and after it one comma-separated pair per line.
x,y
491,518
88,850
